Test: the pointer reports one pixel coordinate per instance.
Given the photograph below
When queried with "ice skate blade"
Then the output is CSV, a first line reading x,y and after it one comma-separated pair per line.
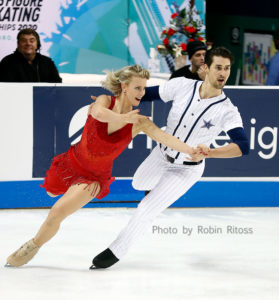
x,y
94,268
7,265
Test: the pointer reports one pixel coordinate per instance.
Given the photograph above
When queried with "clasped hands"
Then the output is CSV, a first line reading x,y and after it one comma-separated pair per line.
x,y
199,153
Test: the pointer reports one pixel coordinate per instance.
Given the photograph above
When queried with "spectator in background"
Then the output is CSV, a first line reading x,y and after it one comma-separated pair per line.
x,y
196,53
26,64
273,67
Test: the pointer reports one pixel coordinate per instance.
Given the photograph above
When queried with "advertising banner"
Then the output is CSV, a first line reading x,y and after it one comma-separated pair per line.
x,y
88,36
60,113
15,15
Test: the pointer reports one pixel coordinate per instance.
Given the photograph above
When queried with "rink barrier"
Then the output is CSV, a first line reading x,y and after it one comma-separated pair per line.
x,y
42,120
28,194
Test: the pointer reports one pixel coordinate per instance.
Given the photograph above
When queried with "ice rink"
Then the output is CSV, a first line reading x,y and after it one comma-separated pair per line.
x,y
231,253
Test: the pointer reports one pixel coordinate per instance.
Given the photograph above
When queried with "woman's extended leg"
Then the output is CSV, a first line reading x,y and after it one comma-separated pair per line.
x,y
76,197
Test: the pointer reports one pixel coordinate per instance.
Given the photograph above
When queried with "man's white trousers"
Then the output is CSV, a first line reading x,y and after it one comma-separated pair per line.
x,y
167,182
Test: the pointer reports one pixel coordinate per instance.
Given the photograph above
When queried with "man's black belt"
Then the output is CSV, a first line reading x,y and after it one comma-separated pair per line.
x,y
189,163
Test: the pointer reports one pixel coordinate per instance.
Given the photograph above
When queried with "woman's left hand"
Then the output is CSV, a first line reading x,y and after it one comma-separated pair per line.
x,y
200,153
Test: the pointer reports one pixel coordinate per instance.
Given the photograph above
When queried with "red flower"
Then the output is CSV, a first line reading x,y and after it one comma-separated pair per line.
x,y
190,29
164,31
183,46
171,32
191,40
200,38
173,16
165,41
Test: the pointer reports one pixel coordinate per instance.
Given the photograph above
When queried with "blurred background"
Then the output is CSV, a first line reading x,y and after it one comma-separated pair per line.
x,y
88,36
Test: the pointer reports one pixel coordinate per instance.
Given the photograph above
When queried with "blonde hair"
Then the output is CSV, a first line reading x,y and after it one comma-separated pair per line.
x,y
114,79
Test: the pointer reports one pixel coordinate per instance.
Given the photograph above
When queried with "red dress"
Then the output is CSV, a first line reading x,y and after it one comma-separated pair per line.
x,y
89,160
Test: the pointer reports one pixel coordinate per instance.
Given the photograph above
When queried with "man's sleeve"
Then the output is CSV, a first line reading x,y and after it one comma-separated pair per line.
x,y
6,74
239,137
2,71
231,119
54,75
232,124
165,92
151,94
169,89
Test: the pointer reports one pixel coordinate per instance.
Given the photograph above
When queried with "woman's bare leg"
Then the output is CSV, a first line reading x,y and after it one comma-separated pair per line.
x,y
51,195
75,198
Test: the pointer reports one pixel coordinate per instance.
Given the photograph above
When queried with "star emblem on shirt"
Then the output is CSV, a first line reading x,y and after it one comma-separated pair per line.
x,y
207,124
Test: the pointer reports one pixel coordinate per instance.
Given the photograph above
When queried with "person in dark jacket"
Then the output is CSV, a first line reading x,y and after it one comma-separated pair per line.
x,y
273,66
196,53
26,64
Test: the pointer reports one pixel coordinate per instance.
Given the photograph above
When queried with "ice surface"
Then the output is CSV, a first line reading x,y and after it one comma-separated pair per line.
x,y
161,265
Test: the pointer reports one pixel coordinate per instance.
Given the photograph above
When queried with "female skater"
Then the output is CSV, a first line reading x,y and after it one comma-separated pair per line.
x,y
84,171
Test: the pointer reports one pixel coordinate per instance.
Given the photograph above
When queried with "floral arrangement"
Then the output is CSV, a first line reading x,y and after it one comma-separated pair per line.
x,y
183,29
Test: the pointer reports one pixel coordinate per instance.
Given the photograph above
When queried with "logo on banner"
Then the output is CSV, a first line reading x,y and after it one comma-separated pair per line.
x,y
264,140
24,13
77,124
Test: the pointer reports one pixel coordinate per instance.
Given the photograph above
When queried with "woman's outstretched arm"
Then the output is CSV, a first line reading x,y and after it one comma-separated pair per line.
x,y
160,136
100,111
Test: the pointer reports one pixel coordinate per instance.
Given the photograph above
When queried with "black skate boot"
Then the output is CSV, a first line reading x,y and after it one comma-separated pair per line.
x,y
104,260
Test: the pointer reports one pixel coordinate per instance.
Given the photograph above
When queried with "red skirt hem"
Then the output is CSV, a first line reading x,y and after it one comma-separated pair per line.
x,y
65,171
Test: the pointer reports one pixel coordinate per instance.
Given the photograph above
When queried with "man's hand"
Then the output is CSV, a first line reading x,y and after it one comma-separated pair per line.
x,y
90,109
196,156
200,153
201,72
91,105
203,149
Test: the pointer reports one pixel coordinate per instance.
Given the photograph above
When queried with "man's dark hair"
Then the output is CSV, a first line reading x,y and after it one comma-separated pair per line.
x,y
218,51
32,32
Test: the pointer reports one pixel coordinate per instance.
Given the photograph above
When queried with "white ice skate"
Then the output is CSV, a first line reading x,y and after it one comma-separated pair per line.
x,y
23,255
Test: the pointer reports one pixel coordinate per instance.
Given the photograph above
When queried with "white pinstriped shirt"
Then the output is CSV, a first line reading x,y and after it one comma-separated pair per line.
x,y
195,120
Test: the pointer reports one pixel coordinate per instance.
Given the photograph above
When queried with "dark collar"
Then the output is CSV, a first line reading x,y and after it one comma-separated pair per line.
x,y
21,57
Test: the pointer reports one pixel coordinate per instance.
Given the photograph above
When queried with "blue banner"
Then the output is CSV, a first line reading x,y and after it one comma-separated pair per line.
x,y
60,114
259,111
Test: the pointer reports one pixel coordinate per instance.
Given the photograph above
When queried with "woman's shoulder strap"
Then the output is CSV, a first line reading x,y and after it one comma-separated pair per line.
x,y
112,102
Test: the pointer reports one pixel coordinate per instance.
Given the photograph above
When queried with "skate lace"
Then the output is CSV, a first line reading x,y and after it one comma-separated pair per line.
x,y
26,249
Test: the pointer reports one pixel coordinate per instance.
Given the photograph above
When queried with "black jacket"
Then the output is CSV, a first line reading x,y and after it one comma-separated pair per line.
x,y
185,72
15,68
